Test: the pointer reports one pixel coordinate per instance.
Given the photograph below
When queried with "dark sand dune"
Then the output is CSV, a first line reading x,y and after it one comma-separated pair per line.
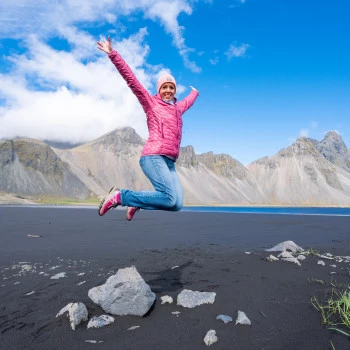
x,y
209,249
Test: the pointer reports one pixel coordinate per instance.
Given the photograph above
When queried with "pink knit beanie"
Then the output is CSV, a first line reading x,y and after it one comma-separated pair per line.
x,y
166,78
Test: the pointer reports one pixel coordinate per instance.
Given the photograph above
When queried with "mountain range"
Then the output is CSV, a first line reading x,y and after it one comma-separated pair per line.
x,y
308,172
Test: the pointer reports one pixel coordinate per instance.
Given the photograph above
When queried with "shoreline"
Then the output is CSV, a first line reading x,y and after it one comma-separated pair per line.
x,y
13,199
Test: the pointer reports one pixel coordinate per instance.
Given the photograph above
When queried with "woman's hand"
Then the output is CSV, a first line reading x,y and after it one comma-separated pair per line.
x,y
105,46
193,88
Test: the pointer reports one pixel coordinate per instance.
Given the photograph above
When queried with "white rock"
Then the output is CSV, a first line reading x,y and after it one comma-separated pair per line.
x,y
132,328
301,257
100,321
59,275
242,319
93,341
125,293
210,338
333,266
321,262
176,313
247,253
325,257
166,299
224,318
55,267
175,267
81,283
30,293
332,273
81,274
77,312
285,254
292,260
287,245
190,299
272,258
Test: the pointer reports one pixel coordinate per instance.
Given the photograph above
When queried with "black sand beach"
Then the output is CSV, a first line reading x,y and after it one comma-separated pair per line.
x,y
209,249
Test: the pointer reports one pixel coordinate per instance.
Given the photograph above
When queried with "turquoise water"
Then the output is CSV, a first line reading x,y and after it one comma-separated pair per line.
x,y
273,210
242,210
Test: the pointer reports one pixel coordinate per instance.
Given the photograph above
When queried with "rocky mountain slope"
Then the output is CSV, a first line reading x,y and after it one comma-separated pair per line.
x,y
31,167
113,159
309,172
306,173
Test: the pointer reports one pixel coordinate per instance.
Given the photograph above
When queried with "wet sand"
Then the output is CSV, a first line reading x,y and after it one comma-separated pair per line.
x,y
209,249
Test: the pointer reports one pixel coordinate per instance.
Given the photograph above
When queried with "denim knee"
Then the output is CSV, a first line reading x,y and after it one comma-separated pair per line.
x,y
177,206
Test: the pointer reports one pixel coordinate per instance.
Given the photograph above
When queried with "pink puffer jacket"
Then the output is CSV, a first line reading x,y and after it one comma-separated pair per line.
x,y
164,120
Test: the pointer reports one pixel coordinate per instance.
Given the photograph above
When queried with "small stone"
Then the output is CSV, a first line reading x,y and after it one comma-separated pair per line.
x,y
132,328
77,312
321,262
334,266
301,257
166,299
325,257
30,293
93,341
175,267
210,338
190,299
100,321
224,318
176,313
285,254
272,258
58,276
242,319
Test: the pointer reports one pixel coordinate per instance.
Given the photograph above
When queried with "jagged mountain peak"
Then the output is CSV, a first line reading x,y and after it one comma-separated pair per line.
x,y
117,138
333,148
224,165
303,146
333,135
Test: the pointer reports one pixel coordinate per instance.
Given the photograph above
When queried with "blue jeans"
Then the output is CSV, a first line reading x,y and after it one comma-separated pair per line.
x,y
160,170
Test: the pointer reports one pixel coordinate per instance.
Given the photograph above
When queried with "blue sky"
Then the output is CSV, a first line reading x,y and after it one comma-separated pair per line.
x,y
268,71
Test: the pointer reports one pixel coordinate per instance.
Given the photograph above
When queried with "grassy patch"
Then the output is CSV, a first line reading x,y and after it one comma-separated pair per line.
x,y
67,201
311,252
335,311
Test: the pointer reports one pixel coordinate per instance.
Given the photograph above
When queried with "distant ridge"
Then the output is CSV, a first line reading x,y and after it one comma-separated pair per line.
x,y
308,172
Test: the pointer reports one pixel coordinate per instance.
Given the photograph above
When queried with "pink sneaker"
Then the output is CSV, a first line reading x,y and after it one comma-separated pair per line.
x,y
111,200
130,212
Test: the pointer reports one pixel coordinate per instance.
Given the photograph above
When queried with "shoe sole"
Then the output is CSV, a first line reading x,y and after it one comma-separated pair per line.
x,y
104,199
138,209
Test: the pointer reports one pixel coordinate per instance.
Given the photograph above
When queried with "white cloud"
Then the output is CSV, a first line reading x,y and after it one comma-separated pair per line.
x,y
45,17
80,102
237,50
214,61
77,95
